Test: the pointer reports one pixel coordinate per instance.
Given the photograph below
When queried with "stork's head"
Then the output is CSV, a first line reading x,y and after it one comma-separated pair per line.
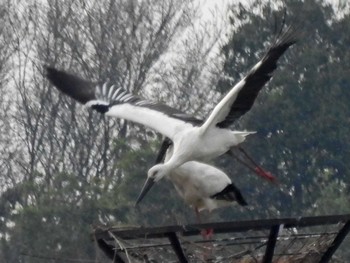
x,y
154,174
157,172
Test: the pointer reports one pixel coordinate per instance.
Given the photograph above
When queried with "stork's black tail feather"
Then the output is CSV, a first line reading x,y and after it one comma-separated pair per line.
x,y
231,193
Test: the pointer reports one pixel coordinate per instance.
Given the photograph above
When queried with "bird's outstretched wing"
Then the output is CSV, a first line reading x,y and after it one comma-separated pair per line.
x,y
241,97
114,101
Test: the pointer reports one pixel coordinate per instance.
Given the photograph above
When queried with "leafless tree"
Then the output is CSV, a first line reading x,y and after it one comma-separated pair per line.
x,y
61,157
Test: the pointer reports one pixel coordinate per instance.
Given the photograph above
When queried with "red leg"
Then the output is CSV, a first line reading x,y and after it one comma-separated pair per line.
x,y
258,169
206,233
197,215
265,174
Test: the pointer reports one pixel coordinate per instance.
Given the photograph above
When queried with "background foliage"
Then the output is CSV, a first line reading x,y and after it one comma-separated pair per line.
x,y
64,170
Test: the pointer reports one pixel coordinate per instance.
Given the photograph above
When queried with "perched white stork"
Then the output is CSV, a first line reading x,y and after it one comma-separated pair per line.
x,y
202,186
192,139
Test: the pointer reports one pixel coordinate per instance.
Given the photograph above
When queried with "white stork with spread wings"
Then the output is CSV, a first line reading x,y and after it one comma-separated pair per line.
x,y
192,139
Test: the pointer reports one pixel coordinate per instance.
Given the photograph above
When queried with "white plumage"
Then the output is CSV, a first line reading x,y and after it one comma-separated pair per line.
x,y
202,186
192,139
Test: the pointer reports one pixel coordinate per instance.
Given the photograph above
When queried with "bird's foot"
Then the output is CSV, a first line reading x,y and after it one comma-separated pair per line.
x,y
265,174
207,233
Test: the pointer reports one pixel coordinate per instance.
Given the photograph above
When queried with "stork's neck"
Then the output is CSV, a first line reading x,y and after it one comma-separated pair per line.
x,y
173,163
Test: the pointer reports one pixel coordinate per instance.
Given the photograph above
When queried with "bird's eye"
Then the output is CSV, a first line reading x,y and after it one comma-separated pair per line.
x,y
153,173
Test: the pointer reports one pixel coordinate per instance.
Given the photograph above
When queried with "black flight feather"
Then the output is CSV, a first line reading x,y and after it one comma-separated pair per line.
x,y
231,193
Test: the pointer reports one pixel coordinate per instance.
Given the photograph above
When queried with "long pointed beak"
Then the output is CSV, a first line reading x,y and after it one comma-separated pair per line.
x,y
146,187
